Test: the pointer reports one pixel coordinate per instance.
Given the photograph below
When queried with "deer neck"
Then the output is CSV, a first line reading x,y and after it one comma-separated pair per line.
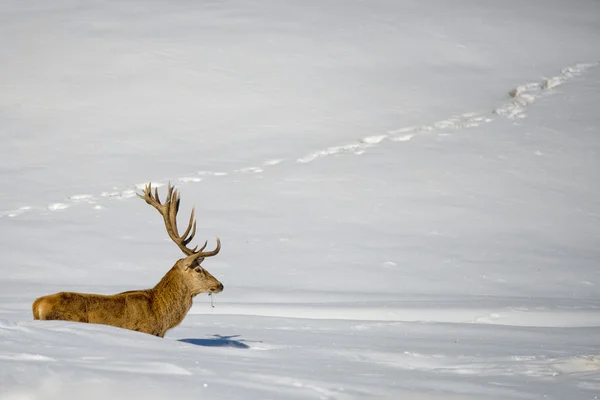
x,y
172,298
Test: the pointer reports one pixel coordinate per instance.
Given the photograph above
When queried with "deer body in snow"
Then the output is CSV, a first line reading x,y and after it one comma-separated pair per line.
x,y
152,311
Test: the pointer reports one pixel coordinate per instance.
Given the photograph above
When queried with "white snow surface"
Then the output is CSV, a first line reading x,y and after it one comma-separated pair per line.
x,y
406,193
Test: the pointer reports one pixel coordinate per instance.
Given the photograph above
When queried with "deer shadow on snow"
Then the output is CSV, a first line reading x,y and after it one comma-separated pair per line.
x,y
218,341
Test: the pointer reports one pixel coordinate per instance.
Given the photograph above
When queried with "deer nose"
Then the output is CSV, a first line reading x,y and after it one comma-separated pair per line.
x,y
217,289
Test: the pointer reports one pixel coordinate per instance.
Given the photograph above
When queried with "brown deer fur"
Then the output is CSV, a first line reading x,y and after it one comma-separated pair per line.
x,y
152,311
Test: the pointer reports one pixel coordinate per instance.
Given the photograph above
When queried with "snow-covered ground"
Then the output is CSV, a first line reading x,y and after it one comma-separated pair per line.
x,y
406,192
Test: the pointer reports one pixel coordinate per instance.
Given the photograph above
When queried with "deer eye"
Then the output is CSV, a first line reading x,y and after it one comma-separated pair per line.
x,y
198,269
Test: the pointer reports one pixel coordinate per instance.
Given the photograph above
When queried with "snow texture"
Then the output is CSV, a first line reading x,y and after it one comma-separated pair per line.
x,y
406,193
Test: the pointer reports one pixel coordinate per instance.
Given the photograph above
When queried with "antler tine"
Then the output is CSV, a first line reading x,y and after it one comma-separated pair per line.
x,y
169,210
189,239
155,193
202,254
204,245
177,196
170,191
144,191
191,224
201,248
172,211
192,227
154,201
173,208
212,252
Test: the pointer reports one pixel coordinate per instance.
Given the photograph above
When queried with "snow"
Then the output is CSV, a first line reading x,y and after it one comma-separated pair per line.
x,y
406,194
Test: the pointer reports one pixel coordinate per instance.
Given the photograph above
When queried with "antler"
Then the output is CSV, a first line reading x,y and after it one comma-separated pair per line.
x,y
169,210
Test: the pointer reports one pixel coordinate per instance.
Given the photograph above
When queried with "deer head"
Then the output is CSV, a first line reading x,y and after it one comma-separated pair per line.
x,y
195,277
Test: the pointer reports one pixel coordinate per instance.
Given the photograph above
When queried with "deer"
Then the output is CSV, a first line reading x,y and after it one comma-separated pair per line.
x,y
153,311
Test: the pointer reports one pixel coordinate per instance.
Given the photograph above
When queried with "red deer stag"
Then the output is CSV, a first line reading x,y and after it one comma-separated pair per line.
x,y
152,311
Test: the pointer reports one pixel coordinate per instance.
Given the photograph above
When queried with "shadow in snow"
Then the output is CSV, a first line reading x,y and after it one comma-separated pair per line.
x,y
218,341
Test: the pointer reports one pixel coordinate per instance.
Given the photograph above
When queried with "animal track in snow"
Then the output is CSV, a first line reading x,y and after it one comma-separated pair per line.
x,y
211,173
520,98
373,139
402,138
252,170
468,120
524,95
124,194
110,194
140,186
114,194
356,148
15,213
463,121
187,179
82,198
57,206
255,170
273,162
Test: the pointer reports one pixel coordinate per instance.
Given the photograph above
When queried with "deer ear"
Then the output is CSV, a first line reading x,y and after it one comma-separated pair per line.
x,y
185,264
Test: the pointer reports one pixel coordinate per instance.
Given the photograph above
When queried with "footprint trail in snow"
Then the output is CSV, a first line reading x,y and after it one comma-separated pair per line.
x,y
520,98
